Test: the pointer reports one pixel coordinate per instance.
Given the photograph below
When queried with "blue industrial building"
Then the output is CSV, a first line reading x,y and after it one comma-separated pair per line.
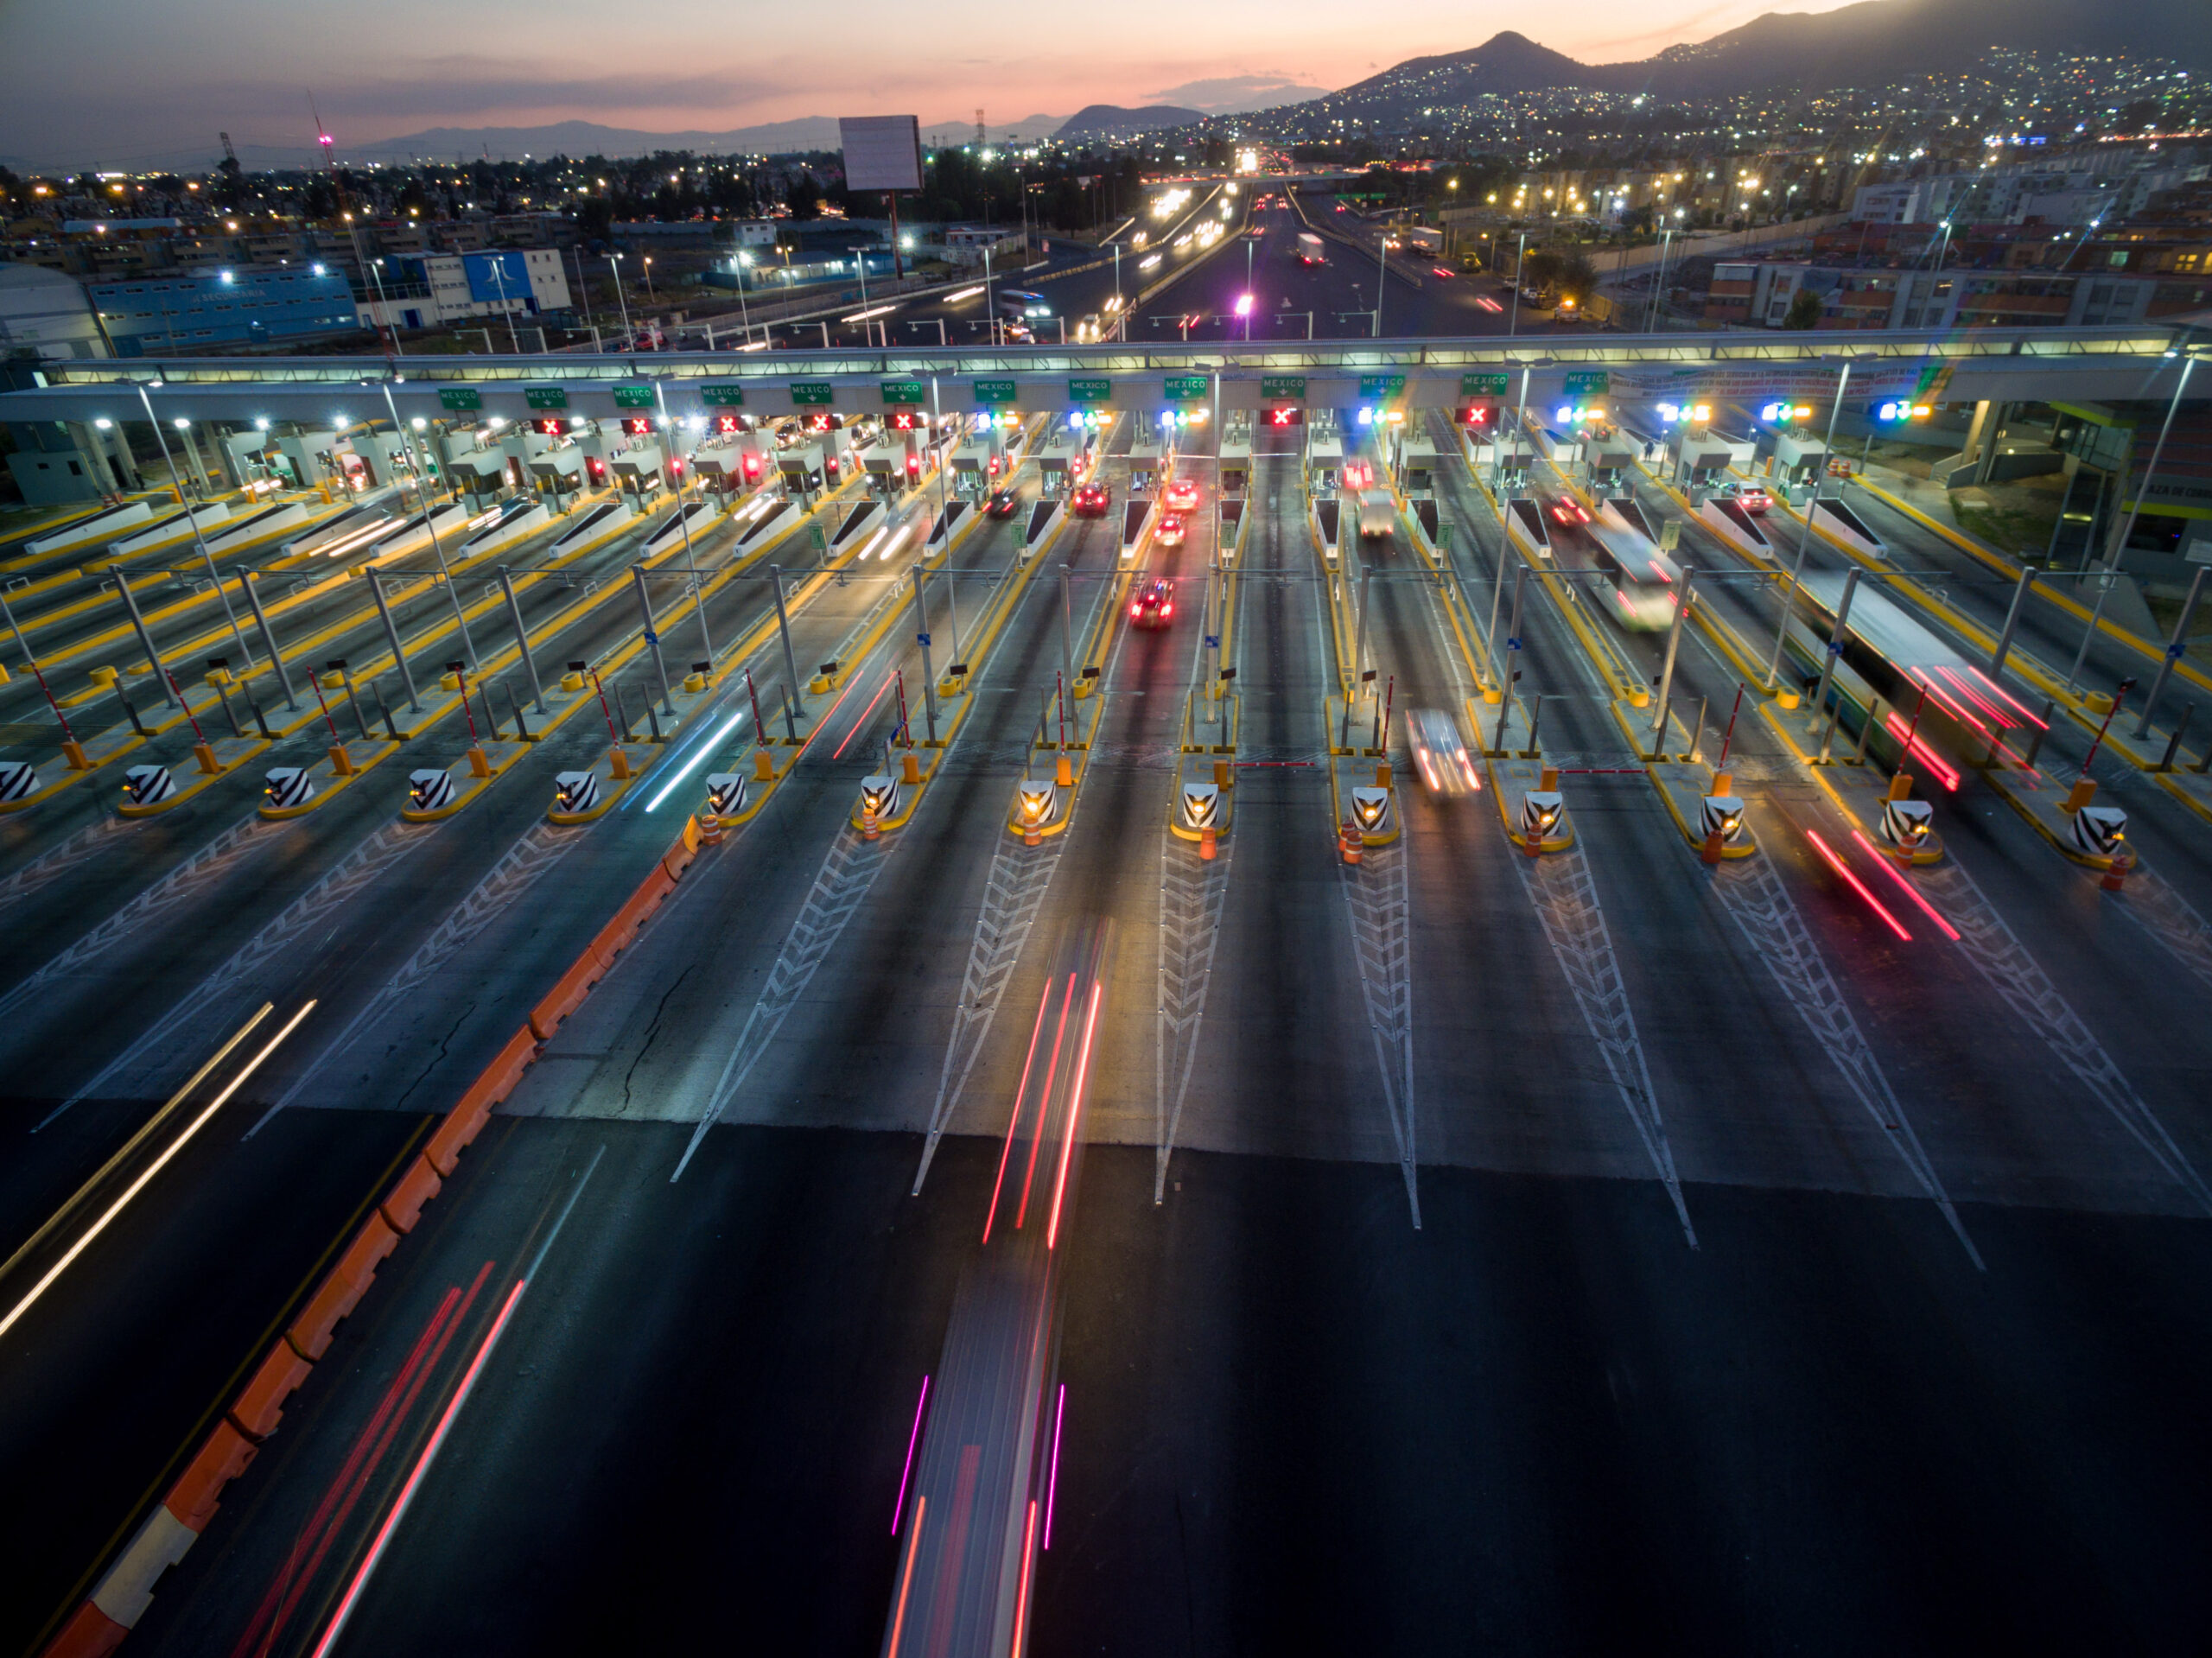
x,y
243,307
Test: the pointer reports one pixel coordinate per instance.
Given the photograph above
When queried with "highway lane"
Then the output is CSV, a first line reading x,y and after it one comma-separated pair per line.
x,y
1562,1391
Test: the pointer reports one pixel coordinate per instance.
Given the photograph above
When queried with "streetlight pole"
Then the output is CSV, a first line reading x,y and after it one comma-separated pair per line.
x,y
743,313
1805,536
437,548
990,302
683,517
2135,508
376,275
500,275
629,339
192,519
1381,276
1520,257
652,298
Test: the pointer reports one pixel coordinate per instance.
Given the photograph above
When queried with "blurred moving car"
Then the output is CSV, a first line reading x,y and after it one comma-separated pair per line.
x,y
1090,501
1154,608
1439,753
1752,497
1170,532
1567,511
1001,504
1181,495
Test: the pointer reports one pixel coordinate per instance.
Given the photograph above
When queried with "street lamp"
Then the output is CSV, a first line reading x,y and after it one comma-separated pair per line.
x,y
630,340
1244,310
500,277
744,261
651,296
383,305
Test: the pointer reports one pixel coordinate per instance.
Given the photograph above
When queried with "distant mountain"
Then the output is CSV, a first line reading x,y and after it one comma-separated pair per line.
x,y
1110,121
1868,44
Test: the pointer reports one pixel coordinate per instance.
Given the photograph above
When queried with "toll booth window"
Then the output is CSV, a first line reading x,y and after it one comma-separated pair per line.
x,y
637,425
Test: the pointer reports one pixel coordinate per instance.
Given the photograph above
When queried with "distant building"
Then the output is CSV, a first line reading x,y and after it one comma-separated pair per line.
x,y
210,310
1760,296
46,313
442,289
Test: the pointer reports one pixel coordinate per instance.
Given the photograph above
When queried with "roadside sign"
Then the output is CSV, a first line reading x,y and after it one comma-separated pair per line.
x,y
723,397
896,392
1372,386
813,393
1283,385
545,396
1670,535
1184,388
633,396
1485,385
1588,382
814,534
995,392
1090,391
460,396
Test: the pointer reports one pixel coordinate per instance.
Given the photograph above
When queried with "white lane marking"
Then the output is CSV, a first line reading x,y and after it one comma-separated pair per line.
x,y
1377,894
343,882
59,861
1751,892
2005,963
1192,895
846,875
1560,887
203,868
2150,900
528,859
1015,893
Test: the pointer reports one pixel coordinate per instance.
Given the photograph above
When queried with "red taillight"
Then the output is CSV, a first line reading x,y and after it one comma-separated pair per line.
x,y
1167,610
1137,609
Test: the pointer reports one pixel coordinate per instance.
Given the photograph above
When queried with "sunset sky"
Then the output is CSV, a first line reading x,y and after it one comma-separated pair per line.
x,y
120,82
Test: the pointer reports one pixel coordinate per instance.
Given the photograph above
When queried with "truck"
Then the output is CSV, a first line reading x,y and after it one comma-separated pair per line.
x,y
1309,248
1378,514
1426,240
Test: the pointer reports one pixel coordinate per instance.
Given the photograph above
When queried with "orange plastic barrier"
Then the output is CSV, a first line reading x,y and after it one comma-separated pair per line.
x,y
260,1406
404,1207
234,1441
342,1288
198,1491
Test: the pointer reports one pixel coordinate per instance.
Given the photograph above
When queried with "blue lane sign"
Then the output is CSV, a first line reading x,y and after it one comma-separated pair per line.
x,y
1512,644
1213,641
923,639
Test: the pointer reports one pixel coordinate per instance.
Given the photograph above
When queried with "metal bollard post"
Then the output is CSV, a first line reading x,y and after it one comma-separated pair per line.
x,y
652,640
139,622
1535,719
269,639
391,633
784,626
2012,620
522,638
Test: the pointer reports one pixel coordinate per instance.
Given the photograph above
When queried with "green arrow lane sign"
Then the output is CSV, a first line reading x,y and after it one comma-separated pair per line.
x,y
633,396
723,397
460,396
1484,385
1283,385
545,396
813,393
1090,391
1184,388
993,391
1588,382
1380,385
896,392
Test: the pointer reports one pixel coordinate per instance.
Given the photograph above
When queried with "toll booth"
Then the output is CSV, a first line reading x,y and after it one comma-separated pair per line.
x,y
1414,465
310,453
1324,461
1235,463
557,472
1697,461
892,464
480,474
1799,459
1607,459
804,468
638,471
978,462
1066,459
1149,458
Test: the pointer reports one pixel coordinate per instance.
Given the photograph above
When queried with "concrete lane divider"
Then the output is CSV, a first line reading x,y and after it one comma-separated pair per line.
x,y
125,1588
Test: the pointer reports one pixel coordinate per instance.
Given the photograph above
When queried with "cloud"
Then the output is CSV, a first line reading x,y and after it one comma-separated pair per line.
x,y
1232,94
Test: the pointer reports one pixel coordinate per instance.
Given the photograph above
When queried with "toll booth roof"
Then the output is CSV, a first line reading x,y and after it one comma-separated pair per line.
x,y
1878,622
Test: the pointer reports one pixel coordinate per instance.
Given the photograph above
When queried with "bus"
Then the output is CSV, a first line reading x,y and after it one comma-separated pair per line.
x,y
1018,305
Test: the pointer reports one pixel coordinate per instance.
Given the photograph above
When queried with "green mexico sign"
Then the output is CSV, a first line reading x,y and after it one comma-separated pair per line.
x,y
813,393
1090,391
993,391
633,396
1372,386
1588,382
545,396
1485,385
1283,385
723,397
898,392
1184,388
460,396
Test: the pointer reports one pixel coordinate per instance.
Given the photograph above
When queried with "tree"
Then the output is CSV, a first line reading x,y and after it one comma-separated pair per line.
x,y
1804,310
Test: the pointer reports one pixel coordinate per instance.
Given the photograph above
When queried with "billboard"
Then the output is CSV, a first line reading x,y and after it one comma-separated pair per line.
x,y
882,152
